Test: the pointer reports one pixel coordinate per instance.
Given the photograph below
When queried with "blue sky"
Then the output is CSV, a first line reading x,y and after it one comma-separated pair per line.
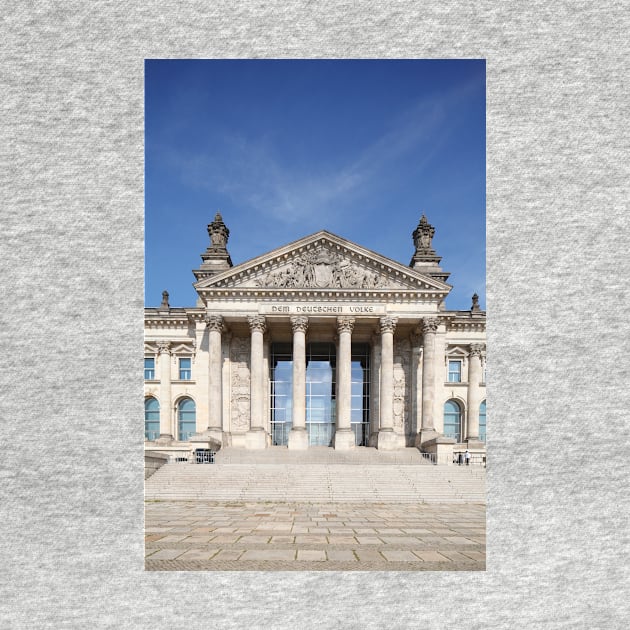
x,y
284,148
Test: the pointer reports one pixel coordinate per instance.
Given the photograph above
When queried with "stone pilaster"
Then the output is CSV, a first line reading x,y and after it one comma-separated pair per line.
x,y
298,437
344,437
375,398
166,402
215,381
474,393
427,431
416,383
256,436
387,438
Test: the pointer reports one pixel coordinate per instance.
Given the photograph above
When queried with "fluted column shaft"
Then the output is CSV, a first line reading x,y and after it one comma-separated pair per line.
x,y
345,326
429,328
215,387
299,324
164,352
474,391
388,325
257,324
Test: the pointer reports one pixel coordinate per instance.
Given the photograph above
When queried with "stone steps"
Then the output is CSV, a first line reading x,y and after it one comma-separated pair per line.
x,y
317,483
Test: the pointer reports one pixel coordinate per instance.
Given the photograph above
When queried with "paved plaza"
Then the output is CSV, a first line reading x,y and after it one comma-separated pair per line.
x,y
274,536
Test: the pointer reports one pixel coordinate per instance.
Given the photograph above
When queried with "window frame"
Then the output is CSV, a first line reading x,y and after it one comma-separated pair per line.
x,y
146,369
184,371
459,362
147,401
459,433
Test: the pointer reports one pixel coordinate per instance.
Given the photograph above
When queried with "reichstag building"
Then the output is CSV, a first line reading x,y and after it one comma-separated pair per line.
x,y
318,343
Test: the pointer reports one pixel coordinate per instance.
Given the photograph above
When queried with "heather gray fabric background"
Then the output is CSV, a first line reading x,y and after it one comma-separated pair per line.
x,y
71,313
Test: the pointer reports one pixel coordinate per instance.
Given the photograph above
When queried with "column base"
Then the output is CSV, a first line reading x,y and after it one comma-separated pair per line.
x,y
256,439
441,450
373,441
344,440
164,439
475,443
298,439
425,435
210,438
389,440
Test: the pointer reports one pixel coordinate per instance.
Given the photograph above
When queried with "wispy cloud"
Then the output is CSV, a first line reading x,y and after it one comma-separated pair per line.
x,y
249,171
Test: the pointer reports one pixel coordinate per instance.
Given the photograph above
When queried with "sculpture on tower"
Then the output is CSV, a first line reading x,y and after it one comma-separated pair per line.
x,y
216,258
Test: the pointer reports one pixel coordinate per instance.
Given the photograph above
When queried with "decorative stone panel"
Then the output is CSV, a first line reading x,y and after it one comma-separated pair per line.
x,y
240,384
402,385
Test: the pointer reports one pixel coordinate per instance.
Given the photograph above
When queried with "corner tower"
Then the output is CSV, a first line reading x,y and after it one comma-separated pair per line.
x,y
216,258
425,260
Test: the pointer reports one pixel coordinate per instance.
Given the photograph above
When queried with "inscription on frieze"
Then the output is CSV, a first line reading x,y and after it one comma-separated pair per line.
x,y
322,309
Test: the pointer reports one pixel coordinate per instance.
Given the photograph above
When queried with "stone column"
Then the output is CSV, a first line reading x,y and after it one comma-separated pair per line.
x,y
429,328
164,353
215,380
474,392
256,437
298,438
387,438
344,437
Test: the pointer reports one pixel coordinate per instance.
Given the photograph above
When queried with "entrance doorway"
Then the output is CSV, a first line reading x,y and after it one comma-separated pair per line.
x,y
321,395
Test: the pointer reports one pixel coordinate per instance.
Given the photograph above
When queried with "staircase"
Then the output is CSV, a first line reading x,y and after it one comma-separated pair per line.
x,y
318,475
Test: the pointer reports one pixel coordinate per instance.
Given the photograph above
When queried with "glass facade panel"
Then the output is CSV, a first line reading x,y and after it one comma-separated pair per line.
x,y
281,381
186,419
320,393
360,388
452,420
482,421
151,419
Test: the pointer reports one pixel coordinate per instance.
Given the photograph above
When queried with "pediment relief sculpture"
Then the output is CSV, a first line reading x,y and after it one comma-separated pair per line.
x,y
322,262
322,269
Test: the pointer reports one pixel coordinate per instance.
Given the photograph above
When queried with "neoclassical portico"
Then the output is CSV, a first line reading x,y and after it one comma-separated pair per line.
x,y
319,343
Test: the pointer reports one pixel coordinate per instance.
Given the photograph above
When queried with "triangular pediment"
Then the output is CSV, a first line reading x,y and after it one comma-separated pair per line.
x,y
322,261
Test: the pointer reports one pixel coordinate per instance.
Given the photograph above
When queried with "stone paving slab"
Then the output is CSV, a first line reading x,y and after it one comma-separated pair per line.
x,y
251,536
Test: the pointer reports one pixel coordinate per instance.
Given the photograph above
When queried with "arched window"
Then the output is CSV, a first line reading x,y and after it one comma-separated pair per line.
x,y
482,421
151,419
186,419
452,420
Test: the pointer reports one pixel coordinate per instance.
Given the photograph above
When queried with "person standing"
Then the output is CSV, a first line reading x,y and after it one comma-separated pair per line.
x,y
467,457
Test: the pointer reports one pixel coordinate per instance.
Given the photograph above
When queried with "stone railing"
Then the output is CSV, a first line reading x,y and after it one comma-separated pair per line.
x,y
153,461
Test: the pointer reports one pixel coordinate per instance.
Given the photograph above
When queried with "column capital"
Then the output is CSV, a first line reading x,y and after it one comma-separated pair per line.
x,y
215,322
345,324
299,323
257,323
476,349
388,324
430,325
164,347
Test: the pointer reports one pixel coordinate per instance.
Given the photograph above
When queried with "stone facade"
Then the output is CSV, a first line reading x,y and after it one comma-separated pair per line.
x,y
320,342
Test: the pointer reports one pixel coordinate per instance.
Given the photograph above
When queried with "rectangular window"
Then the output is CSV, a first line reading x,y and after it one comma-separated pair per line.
x,y
454,371
149,369
184,369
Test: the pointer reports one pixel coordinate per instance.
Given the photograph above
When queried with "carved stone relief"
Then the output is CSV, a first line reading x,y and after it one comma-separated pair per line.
x,y
240,383
402,381
322,269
